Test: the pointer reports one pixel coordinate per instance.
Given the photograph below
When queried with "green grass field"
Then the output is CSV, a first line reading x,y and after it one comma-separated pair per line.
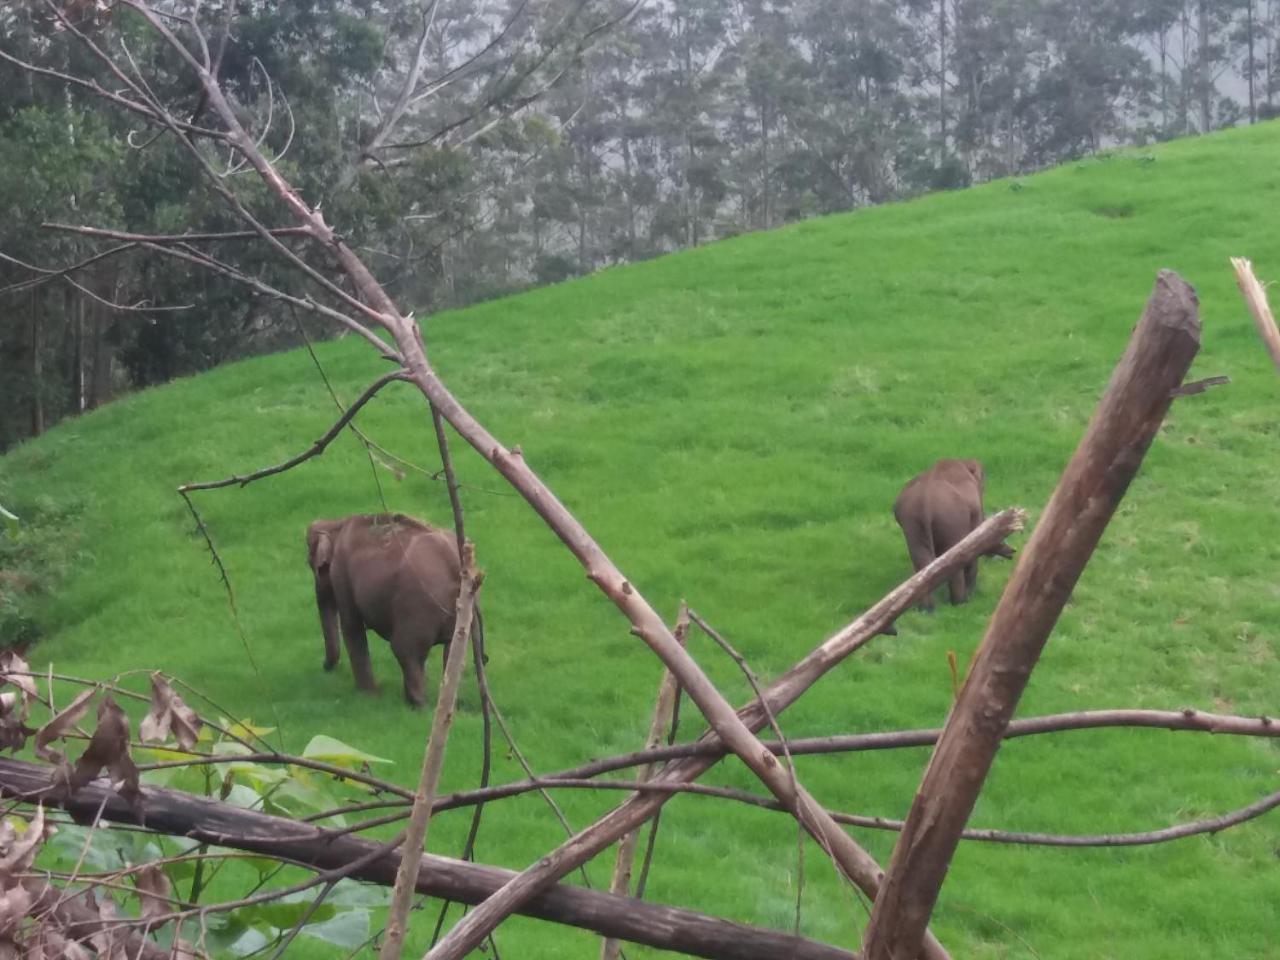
x,y
733,424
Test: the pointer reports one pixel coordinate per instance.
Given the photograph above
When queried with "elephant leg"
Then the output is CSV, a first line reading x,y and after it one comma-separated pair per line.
x,y
958,586
921,556
971,578
357,643
413,666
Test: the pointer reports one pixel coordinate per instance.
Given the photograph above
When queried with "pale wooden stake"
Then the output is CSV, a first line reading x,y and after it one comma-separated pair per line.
x,y
1255,298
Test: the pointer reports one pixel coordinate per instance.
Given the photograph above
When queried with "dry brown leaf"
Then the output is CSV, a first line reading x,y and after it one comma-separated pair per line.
x,y
13,669
18,852
155,892
13,711
169,712
109,748
61,725
49,944
15,904
109,941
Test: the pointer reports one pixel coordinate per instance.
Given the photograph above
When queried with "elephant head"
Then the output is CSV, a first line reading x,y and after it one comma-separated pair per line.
x,y
320,536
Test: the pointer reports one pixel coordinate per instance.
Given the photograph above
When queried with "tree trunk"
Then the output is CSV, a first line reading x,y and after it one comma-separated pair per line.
x,y
1251,67
37,368
1164,82
1204,81
100,369
630,192
942,81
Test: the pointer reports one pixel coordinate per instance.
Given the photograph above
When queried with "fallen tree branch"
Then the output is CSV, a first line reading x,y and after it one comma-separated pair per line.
x,y
209,821
1129,415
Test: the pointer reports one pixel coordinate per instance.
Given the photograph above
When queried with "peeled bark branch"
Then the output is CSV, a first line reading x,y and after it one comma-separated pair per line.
x,y
220,824
1255,298
1128,417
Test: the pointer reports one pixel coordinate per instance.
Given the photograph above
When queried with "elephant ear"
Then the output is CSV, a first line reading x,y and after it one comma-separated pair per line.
x,y
321,548
980,475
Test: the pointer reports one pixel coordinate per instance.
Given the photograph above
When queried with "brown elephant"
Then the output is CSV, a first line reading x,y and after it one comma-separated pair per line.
x,y
392,574
938,509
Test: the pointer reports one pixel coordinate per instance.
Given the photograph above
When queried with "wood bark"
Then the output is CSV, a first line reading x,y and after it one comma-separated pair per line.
x,y
220,824
1127,419
432,760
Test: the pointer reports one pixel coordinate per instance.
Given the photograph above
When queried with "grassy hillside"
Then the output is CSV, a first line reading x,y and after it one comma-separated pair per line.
x,y
733,424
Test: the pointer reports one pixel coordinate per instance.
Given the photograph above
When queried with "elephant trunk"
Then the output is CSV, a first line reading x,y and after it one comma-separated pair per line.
x,y
329,623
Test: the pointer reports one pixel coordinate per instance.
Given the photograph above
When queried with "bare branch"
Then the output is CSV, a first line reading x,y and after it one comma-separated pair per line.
x,y
103,233
314,450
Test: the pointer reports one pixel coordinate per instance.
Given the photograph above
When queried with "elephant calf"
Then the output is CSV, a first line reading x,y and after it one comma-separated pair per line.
x,y
393,574
938,509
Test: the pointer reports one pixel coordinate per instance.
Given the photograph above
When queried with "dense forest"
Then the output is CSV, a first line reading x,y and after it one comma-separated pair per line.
x,y
470,148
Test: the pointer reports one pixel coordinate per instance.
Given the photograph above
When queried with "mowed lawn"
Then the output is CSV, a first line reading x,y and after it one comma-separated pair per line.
x,y
733,424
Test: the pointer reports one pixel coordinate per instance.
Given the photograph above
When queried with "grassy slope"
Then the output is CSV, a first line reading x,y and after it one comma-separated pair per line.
x,y
733,424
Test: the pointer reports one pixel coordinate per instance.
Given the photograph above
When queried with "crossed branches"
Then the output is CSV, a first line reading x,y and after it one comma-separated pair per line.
x,y
1147,380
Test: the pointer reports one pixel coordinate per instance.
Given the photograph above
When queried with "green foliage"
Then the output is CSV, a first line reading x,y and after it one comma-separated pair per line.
x,y
209,875
733,424
34,559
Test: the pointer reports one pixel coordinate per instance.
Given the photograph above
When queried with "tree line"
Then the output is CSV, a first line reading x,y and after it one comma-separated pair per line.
x,y
472,148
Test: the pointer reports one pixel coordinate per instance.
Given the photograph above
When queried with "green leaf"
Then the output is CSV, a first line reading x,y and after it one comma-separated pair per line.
x,y
284,915
303,794
353,893
330,750
348,929
230,933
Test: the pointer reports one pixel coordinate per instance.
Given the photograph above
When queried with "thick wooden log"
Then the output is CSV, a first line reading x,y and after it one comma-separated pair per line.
x,y
221,824
1130,413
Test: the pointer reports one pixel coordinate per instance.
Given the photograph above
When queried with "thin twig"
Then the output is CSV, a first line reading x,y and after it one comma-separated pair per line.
x,y
433,759
788,760
317,448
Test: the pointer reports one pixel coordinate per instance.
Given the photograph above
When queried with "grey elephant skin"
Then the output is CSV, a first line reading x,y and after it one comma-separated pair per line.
x,y
391,574
936,510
